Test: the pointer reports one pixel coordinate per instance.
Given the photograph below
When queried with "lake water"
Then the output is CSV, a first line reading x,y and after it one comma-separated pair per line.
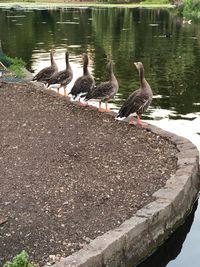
x,y
169,50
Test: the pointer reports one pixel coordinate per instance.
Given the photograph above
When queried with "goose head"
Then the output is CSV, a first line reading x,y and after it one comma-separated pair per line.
x,y
139,66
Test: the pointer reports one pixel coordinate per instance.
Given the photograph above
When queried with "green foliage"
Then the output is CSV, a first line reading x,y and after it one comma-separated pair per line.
x,y
160,2
16,65
21,260
191,8
119,1
149,2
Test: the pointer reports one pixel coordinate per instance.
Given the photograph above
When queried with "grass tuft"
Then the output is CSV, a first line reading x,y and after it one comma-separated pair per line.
x,y
20,260
16,66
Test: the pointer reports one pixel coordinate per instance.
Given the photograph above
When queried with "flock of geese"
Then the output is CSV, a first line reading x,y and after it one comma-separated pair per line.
x,y
85,88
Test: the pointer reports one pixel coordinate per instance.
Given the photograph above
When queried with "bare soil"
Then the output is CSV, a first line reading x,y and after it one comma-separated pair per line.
x,y
70,173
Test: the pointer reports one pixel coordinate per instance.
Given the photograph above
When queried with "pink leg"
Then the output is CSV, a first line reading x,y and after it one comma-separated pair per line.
x,y
65,91
107,108
100,108
140,122
132,122
82,104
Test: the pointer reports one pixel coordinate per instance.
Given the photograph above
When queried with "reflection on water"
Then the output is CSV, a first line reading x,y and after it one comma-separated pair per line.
x,y
169,50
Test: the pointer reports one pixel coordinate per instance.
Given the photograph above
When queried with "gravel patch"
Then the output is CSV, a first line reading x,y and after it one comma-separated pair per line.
x,y
69,173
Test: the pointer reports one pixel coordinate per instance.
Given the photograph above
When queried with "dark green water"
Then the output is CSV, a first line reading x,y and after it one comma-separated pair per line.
x,y
169,50
125,35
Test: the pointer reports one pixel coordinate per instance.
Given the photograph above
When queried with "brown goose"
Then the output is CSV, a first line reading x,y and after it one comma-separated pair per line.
x,y
83,84
45,74
61,78
139,100
105,90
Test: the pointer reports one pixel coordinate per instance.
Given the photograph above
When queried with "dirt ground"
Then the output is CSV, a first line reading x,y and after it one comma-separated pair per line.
x,y
70,173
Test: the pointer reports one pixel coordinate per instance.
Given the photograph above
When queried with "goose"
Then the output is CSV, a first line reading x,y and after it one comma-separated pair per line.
x,y
83,84
45,74
139,100
187,21
105,90
61,78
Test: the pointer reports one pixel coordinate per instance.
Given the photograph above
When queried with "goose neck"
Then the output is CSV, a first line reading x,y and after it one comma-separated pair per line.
x,y
85,67
53,63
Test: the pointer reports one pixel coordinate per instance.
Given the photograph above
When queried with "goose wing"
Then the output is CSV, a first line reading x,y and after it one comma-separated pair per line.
x,y
60,77
103,91
82,85
137,102
44,74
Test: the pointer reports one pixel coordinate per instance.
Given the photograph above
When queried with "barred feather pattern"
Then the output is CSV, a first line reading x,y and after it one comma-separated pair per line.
x,y
103,91
137,102
82,85
63,78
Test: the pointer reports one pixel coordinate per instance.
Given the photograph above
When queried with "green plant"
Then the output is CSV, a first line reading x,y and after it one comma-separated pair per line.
x,y
161,2
119,1
191,8
16,65
20,260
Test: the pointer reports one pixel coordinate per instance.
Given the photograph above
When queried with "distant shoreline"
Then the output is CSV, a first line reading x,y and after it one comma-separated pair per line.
x,y
79,4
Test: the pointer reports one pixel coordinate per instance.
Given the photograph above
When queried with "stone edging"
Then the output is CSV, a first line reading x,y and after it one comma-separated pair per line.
x,y
138,236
